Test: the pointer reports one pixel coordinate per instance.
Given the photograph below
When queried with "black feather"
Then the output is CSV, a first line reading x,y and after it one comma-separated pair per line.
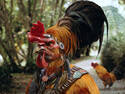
x,y
86,19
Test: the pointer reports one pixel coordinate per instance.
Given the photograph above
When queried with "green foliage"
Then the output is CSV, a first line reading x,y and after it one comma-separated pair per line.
x,y
115,20
5,78
31,66
16,17
122,2
113,51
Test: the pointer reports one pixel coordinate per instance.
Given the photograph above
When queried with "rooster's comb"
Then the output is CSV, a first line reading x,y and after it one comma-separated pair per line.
x,y
37,29
36,32
94,64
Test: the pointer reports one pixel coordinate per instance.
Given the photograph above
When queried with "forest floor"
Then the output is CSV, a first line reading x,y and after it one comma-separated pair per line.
x,y
21,80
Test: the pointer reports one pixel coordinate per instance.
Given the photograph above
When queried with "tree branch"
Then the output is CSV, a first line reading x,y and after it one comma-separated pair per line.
x,y
34,8
21,7
11,2
42,5
61,5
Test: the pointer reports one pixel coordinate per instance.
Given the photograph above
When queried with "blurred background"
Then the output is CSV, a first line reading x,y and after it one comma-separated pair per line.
x,y
16,18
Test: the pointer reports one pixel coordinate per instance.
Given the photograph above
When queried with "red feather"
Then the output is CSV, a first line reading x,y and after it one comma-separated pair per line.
x,y
94,64
36,32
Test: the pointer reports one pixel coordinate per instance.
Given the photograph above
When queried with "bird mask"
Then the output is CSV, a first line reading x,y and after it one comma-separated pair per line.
x,y
48,47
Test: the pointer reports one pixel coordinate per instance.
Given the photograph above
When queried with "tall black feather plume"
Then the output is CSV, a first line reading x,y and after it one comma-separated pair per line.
x,y
86,19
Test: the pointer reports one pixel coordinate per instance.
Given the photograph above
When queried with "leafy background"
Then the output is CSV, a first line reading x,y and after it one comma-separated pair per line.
x,y
16,18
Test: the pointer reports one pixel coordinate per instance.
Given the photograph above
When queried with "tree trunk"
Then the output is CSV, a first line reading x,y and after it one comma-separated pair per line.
x,y
3,52
11,63
10,48
30,45
42,5
53,16
60,9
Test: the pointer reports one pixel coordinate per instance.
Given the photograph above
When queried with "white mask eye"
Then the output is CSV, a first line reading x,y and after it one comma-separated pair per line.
x,y
47,35
61,45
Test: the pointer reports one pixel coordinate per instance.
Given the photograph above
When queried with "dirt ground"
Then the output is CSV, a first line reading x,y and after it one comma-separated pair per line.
x,y
20,81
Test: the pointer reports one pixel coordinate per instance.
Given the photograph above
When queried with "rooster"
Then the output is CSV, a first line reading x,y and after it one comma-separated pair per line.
x,y
107,78
82,24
